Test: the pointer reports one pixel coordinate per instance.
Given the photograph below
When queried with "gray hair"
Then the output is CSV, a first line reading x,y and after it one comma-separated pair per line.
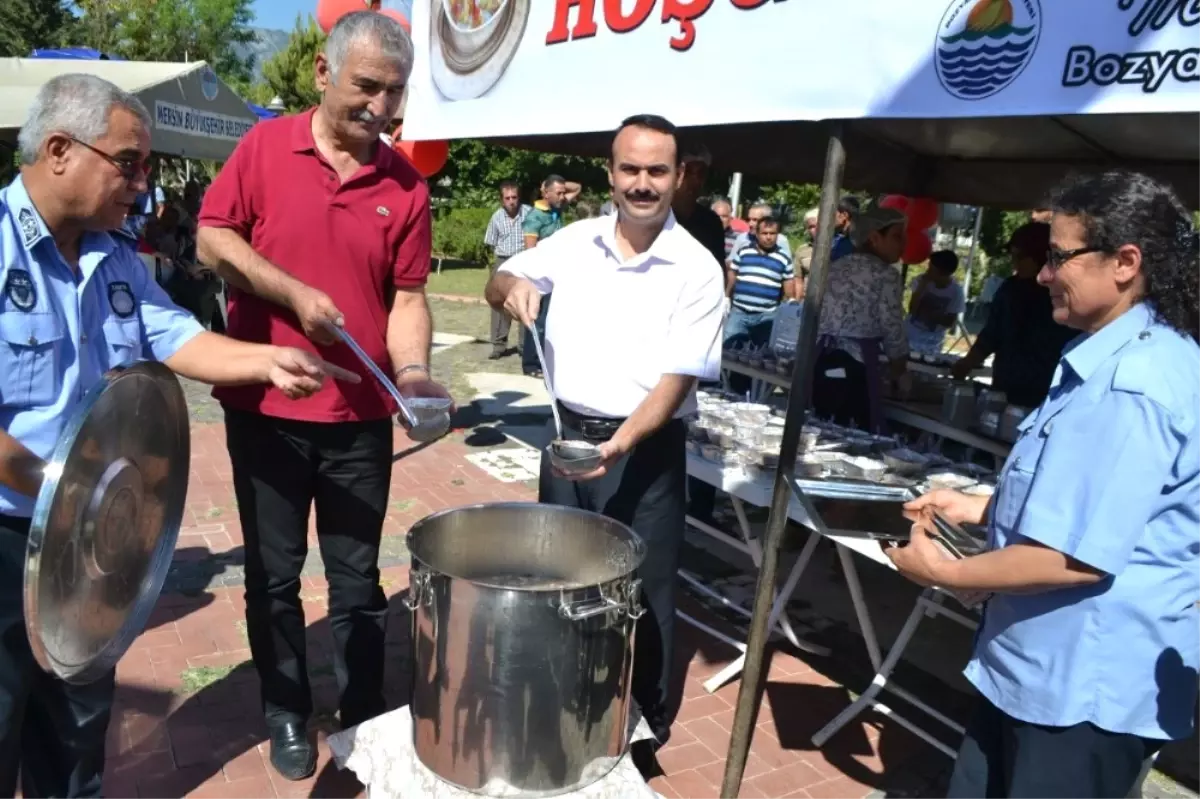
x,y
373,27
761,205
77,105
812,214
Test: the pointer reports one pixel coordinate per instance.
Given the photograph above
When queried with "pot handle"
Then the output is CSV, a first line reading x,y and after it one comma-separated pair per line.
x,y
419,592
630,605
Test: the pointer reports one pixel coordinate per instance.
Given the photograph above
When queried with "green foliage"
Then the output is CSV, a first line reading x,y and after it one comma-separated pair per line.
x,y
26,25
458,234
997,228
172,30
289,73
476,168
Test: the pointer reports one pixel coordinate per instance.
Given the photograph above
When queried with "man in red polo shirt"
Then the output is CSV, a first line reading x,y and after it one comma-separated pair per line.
x,y
314,223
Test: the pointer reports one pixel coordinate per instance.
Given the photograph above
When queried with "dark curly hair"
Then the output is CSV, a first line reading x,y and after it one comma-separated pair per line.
x,y
1122,207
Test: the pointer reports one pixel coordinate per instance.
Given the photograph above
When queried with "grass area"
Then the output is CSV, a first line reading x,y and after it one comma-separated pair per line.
x,y
459,280
198,678
451,365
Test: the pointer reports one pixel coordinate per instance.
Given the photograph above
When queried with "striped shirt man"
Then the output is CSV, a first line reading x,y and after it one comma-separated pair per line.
x,y
505,233
759,277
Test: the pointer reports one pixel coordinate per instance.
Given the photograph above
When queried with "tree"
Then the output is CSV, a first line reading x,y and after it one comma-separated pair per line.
x,y
289,73
26,25
172,30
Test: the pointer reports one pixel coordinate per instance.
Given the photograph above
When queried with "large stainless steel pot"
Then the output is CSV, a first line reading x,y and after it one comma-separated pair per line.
x,y
523,631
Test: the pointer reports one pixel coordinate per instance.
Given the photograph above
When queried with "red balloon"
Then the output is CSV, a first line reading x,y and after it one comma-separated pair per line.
x,y
917,248
427,156
330,11
897,202
922,213
397,15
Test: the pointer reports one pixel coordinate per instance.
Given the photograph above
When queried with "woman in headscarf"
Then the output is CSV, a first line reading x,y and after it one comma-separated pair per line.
x,y
1087,656
862,317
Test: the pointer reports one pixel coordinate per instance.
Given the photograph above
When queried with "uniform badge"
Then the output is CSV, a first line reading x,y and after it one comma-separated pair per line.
x,y
29,225
120,299
379,209
20,290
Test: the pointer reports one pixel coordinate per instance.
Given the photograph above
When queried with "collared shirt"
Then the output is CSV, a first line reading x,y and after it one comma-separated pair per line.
x,y
863,300
357,241
668,304
1027,342
63,329
505,234
747,239
705,227
1106,471
542,221
758,287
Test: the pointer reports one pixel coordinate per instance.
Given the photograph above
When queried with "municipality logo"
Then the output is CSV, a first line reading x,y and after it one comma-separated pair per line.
x,y
983,45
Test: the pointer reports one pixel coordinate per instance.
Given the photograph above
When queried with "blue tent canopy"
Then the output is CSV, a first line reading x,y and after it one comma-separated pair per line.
x,y
81,53
262,113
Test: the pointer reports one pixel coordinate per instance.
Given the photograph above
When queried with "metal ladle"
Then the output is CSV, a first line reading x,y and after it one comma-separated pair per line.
x,y
410,418
537,345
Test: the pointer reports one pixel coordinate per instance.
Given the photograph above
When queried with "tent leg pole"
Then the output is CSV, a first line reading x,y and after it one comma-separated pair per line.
x,y
750,690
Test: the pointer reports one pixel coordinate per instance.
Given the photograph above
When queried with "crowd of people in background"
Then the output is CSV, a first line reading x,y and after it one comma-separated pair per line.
x,y
867,332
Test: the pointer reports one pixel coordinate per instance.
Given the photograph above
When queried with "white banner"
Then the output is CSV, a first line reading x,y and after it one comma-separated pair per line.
x,y
194,122
565,66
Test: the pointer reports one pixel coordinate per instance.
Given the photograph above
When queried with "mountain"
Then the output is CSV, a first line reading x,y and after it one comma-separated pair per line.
x,y
267,42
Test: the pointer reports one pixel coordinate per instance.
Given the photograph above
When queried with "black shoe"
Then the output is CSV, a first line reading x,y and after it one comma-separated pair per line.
x,y
496,355
642,753
292,753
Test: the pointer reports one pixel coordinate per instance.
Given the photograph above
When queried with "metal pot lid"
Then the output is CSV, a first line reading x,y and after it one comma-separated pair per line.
x,y
106,520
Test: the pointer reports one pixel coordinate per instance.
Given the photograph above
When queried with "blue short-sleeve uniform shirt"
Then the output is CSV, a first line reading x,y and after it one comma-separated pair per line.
x,y
1107,471
62,329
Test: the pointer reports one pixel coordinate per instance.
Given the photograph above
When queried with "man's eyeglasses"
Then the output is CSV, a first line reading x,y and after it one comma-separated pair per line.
x,y
130,170
1056,257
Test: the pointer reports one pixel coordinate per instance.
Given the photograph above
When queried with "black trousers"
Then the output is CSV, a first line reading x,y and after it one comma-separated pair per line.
x,y
529,358
51,733
842,399
282,468
501,321
1003,757
645,490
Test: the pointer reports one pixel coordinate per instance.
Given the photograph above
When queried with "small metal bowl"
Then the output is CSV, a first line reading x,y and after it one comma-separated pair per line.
x,y
433,417
574,457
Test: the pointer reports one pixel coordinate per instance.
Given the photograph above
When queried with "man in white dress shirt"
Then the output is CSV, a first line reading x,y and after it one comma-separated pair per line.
x,y
628,390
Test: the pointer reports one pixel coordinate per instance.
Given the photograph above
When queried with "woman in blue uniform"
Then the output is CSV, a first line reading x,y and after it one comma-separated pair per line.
x,y
1087,655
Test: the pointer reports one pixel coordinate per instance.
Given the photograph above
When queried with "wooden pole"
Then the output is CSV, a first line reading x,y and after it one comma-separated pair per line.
x,y
751,689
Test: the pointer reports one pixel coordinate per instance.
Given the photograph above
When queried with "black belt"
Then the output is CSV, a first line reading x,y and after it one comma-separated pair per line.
x,y
593,428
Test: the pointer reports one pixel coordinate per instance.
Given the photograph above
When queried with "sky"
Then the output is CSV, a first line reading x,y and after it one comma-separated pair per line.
x,y
281,14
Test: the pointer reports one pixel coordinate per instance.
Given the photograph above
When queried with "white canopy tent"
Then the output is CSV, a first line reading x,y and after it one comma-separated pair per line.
x,y
194,114
982,102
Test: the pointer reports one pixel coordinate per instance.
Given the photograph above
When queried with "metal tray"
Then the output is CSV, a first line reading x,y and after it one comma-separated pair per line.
x,y
846,488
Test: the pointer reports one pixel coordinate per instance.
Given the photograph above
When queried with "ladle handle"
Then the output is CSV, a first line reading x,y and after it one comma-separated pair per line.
x,y
410,418
537,346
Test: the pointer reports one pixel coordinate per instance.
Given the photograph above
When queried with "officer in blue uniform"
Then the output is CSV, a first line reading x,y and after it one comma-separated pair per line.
x,y
74,304
1087,656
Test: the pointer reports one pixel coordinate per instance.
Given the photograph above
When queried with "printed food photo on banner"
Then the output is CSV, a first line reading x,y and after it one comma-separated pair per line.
x,y
472,43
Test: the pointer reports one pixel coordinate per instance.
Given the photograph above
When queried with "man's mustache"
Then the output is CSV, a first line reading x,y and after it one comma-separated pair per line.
x,y
641,196
365,116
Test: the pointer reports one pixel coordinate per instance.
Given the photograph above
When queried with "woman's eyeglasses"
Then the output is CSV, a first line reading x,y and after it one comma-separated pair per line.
x,y
1055,257
129,169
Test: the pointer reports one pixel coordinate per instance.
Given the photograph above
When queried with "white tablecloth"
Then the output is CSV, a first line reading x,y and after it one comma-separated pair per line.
x,y
381,755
